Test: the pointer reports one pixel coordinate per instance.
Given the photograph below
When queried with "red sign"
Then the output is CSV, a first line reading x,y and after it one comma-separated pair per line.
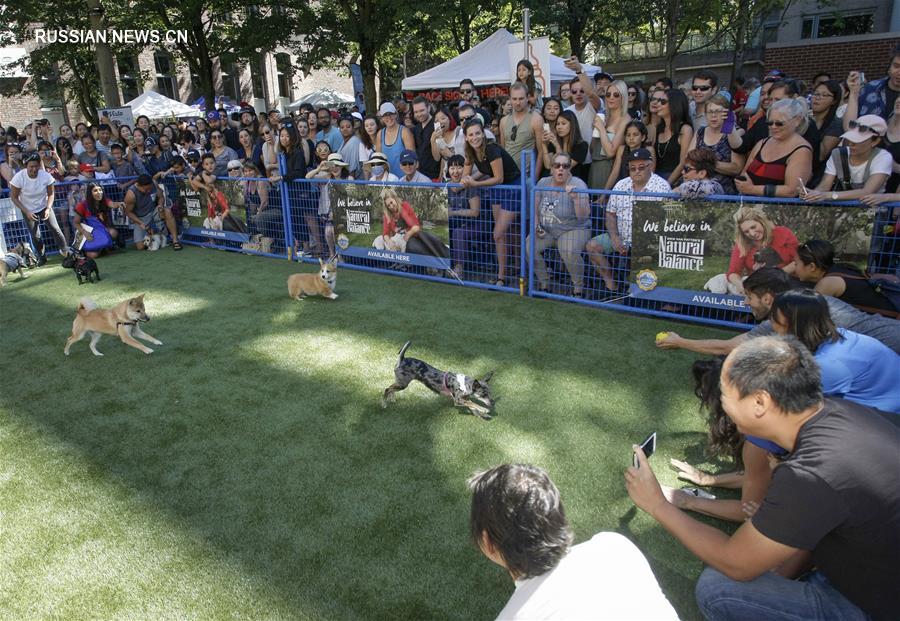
x,y
450,95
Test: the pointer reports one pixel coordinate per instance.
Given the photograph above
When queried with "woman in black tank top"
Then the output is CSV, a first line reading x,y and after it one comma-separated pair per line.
x,y
815,264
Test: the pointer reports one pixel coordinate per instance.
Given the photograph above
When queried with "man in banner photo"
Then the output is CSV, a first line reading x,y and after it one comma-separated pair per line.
x,y
714,246
392,224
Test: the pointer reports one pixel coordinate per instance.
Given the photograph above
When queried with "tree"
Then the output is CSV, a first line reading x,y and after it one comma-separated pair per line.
x,y
581,21
215,28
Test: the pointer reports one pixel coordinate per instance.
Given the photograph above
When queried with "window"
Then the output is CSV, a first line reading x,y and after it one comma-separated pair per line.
x,y
231,80
165,81
257,78
283,68
770,33
128,77
831,25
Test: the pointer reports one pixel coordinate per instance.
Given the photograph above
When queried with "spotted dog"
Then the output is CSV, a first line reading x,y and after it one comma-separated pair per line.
x,y
461,388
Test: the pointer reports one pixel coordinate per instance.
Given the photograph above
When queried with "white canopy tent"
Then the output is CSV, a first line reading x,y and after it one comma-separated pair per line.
x,y
486,63
323,97
156,106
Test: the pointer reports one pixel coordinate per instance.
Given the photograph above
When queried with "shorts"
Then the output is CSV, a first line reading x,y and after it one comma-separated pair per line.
x,y
605,243
153,220
508,199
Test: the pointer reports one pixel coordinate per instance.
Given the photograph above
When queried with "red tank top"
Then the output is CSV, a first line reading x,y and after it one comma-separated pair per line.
x,y
761,172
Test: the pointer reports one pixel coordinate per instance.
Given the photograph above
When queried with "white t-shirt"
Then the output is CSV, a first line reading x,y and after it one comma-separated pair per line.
x,y
622,204
881,163
585,123
34,191
604,578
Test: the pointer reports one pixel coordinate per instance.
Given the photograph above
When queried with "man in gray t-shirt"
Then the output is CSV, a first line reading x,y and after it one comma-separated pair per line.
x,y
760,289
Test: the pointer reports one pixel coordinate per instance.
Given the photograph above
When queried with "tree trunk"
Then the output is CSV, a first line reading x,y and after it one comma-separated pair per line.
x,y
740,44
367,66
104,57
576,34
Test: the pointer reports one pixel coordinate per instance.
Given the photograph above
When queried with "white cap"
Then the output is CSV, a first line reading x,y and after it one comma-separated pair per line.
x,y
357,115
387,108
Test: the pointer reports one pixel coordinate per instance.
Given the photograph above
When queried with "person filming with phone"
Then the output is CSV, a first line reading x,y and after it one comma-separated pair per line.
x,y
831,506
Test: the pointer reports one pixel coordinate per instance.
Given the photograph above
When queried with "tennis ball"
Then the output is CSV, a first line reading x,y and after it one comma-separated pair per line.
x,y
661,335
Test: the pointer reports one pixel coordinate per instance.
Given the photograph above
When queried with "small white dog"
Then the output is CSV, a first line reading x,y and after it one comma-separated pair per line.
x,y
396,243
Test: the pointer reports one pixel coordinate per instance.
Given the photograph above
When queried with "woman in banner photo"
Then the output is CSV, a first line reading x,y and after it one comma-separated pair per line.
x,y
757,243
402,232
93,212
497,167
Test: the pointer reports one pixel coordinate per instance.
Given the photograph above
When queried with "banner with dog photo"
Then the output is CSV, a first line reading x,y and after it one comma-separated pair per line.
x,y
221,219
698,252
374,222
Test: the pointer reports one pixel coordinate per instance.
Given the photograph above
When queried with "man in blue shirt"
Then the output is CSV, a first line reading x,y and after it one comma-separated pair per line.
x,y
878,96
328,132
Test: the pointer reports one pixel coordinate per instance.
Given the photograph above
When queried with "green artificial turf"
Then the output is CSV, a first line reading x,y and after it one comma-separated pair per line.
x,y
247,470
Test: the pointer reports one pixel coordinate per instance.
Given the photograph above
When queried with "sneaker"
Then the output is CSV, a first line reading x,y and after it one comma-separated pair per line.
x,y
42,260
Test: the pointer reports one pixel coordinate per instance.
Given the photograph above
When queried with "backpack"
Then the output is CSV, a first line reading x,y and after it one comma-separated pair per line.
x,y
842,178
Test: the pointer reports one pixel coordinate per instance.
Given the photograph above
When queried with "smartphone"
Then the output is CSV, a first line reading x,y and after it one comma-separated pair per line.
x,y
862,77
546,127
648,446
741,177
728,126
437,126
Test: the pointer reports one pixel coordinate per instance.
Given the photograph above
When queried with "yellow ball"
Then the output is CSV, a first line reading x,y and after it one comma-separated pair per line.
x,y
661,335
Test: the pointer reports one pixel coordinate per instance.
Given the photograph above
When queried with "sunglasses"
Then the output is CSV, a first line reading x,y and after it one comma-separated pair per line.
x,y
514,132
613,94
686,169
267,132
659,100
776,123
234,169
698,87
216,137
560,165
632,94
463,119
466,91
862,128
638,168
407,163
577,92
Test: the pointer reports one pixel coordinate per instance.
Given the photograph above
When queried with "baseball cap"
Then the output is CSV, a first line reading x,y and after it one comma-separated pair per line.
x,y
356,115
213,114
377,158
387,108
865,127
234,165
248,110
85,168
144,180
150,142
408,156
193,154
600,75
638,154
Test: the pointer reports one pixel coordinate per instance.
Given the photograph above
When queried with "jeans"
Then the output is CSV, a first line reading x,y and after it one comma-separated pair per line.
x,y
772,598
53,225
570,245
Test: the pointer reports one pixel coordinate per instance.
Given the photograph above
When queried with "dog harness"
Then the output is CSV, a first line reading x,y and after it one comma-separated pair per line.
x,y
460,381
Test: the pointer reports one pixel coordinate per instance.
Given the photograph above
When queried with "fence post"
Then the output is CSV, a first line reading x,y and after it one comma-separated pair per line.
x,y
286,208
523,218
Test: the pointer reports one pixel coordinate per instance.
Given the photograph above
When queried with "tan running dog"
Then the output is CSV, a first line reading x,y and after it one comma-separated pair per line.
x,y
302,285
122,320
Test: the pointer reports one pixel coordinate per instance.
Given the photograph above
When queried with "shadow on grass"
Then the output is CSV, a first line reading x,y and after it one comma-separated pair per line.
x,y
347,510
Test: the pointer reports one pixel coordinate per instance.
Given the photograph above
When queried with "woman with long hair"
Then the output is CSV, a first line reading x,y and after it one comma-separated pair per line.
x,y
402,231
93,212
567,139
497,167
525,75
815,264
826,97
552,109
64,149
608,134
368,139
306,144
674,133
854,366
248,147
442,139
754,232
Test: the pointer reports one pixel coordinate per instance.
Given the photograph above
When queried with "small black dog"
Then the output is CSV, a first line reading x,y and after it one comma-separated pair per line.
x,y
767,257
461,388
83,266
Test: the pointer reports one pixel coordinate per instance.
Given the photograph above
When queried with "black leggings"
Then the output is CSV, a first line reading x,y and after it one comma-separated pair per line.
x,y
426,243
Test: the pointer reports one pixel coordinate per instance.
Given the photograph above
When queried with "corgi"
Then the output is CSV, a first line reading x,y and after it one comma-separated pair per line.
x,y
123,320
302,285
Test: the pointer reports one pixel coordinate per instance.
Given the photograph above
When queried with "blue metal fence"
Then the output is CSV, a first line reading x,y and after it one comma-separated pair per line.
x,y
486,229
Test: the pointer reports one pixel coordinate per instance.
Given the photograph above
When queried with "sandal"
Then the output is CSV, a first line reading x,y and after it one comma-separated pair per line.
x,y
176,245
499,282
